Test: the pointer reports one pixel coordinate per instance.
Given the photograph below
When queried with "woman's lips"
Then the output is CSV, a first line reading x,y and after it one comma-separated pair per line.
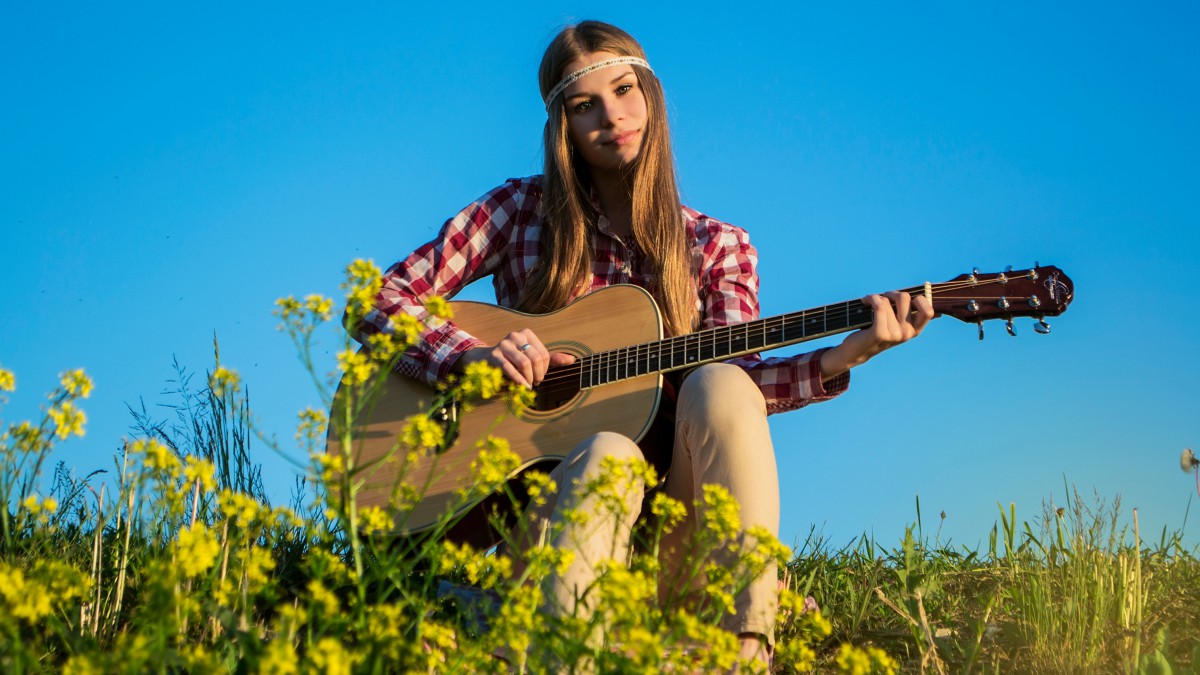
x,y
623,139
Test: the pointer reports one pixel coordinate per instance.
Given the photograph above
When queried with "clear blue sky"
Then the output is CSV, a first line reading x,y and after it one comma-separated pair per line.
x,y
169,171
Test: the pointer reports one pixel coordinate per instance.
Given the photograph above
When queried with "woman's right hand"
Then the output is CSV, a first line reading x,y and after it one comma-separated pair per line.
x,y
521,355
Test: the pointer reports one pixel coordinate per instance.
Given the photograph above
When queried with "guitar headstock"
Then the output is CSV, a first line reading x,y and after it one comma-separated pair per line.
x,y
1038,292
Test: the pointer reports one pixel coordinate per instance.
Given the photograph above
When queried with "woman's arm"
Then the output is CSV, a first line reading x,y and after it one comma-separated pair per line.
x,y
470,246
898,319
729,292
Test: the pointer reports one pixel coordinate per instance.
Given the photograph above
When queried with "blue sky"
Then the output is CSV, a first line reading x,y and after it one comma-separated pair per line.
x,y
170,171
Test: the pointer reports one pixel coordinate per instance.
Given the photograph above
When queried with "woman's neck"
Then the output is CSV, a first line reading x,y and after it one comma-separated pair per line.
x,y
615,190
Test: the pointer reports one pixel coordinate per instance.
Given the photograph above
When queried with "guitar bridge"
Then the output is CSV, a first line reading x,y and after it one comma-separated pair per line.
x,y
448,416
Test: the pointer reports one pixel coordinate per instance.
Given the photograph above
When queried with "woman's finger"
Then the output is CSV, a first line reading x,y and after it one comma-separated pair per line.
x,y
511,351
538,355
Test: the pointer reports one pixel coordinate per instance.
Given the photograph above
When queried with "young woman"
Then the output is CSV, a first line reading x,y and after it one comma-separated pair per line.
x,y
606,211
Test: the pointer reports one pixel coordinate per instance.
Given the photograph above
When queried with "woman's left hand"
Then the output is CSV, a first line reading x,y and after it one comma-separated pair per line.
x,y
898,318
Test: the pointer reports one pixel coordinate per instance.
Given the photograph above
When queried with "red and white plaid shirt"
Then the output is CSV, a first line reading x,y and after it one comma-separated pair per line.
x,y
499,235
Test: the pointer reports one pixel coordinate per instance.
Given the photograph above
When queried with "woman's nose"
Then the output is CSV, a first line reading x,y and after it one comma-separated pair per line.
x,y
611,112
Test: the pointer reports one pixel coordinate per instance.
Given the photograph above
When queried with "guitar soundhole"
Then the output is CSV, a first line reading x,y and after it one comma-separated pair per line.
x,y
555,392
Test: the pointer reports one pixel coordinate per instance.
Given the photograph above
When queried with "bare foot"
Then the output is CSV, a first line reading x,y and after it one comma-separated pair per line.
x,y
755,651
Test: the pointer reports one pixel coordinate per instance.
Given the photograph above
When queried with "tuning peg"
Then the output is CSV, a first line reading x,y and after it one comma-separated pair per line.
x,y
1008,325
1041,327
980,329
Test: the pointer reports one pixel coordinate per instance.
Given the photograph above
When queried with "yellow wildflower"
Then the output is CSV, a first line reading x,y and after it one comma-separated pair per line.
x,y
537,486
329,467
159,457
257,564
421,433
494,464
722,646
669,510
238,507
288,308
223,381
355,366
813,625
198,660
196,550
33,597
68,420
437,639
320,307
481,380
383,347
361,272
617,482
202,470
852,660
404,497
225,592
765,547
323,598
312,425
407,327
31,505
8,381
50,504
280,659
722,513
28,437
438,307
544,560
290,618
374,519
625,593
80,664
719,583
331,658
76,383
520,399
362,284
386,627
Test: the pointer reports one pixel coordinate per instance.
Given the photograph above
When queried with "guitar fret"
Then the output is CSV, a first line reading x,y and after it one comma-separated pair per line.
x,y
714,344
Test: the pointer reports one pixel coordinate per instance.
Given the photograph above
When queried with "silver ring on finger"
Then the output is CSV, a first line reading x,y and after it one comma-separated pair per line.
x,y
525,347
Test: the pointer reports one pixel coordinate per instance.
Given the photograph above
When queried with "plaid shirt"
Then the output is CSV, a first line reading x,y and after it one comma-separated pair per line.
x,y
499,235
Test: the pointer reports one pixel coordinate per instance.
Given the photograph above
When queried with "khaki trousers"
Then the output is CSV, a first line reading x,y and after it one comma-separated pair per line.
x,y
721,438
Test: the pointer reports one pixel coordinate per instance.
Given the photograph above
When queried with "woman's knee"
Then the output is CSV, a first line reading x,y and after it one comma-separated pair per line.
x,y
589,456
721,389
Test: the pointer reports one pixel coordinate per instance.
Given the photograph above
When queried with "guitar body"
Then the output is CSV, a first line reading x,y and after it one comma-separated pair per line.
x,y
607,319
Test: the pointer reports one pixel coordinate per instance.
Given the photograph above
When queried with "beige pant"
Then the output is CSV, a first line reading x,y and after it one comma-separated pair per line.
x,y
721,438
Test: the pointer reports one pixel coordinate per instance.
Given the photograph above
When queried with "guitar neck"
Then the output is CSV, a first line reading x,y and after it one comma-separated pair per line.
x,y
724,342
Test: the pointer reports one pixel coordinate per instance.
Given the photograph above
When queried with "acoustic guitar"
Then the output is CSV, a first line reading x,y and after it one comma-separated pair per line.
x,y
616,382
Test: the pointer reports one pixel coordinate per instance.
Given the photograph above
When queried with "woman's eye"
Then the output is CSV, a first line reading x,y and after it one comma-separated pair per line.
x,y
623,89
582,106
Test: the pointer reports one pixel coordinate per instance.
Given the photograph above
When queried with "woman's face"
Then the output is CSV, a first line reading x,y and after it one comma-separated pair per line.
x,y
606,113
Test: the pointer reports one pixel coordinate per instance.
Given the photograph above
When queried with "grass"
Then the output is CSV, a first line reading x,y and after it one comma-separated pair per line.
x,y
176,562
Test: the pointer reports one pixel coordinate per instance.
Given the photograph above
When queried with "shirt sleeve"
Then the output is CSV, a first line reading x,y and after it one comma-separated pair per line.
x,y
469,246
729,295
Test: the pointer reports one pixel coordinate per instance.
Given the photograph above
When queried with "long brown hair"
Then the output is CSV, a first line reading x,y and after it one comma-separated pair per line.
x,y
658,225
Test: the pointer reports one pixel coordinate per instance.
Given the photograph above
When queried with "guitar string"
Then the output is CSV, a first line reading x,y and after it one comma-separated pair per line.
x,y
682,345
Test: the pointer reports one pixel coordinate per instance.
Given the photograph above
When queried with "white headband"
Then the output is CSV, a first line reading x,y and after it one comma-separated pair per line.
x,y
573,77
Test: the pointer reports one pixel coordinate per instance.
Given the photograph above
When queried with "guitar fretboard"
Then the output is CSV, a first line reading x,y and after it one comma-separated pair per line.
x,y
721,343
